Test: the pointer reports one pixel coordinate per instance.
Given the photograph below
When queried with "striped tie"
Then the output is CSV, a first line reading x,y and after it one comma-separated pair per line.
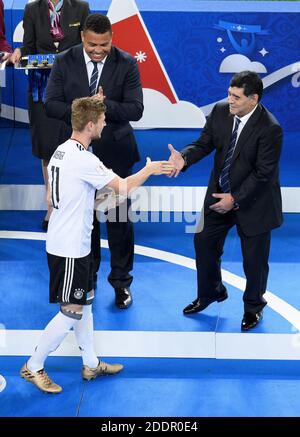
x,y
224,176
94,79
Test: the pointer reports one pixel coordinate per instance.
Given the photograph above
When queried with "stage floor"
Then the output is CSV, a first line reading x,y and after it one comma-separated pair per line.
x,y
174,365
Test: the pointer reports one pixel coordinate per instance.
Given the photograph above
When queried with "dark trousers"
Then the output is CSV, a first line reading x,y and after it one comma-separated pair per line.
x,y
209,245
121,245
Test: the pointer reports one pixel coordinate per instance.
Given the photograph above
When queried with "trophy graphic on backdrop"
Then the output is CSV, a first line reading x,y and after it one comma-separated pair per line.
x,y
245,46
242,37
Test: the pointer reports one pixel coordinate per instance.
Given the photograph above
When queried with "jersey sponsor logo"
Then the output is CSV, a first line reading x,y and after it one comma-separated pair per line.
x,y
58,154
78,293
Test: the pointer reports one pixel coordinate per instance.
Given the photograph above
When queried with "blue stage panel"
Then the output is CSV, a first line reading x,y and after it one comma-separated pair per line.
x,y
160,289
158,293
23,168
22,399
6,136
21,220
198,388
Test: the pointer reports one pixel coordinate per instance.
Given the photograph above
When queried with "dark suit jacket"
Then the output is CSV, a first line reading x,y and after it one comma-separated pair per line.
x,y
254,171
121,84
36,23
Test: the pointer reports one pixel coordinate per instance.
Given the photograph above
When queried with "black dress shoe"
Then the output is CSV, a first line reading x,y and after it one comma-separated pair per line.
x,y
123,297
200,304
250,320
45,225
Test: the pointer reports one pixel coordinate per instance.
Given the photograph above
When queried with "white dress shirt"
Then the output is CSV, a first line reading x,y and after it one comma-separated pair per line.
x,y
243,122
90,66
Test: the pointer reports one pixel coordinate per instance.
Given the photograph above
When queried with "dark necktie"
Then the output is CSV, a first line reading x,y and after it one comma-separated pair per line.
x,y
224,176
94,79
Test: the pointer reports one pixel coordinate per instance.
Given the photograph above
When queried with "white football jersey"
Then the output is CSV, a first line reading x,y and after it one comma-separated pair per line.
x,y
74,174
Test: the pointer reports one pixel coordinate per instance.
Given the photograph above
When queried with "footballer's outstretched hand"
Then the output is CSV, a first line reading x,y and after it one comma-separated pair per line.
x,y
159,167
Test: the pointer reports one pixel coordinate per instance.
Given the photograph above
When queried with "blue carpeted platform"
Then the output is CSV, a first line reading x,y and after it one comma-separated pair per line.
x,y
152,387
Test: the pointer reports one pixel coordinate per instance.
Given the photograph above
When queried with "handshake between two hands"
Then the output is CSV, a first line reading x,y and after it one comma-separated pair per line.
x,y
170,168
159,167
107,198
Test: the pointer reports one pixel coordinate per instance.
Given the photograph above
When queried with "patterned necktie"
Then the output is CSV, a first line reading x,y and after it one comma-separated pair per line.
x,y
224,176
56,29
94,79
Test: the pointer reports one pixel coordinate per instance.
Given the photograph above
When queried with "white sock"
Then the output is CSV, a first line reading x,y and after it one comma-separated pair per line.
x,y
84,332
53,335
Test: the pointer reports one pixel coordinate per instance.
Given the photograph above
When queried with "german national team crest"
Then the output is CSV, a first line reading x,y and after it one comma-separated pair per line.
x,y
78,293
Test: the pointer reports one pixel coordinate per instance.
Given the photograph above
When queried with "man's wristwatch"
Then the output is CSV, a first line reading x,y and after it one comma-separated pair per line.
x,y
235,204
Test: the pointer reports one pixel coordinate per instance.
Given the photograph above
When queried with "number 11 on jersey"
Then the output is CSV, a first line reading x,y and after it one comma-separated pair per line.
x,y
55,186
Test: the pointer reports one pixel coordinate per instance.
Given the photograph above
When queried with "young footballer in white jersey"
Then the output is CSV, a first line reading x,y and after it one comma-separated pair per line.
x,y
74,174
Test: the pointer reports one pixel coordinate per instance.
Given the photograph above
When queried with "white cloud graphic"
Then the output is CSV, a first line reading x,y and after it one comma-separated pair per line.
x,y
238,63
18,33
159,112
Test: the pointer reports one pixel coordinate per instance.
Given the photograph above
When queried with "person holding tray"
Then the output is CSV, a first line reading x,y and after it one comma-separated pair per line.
x,y
50,26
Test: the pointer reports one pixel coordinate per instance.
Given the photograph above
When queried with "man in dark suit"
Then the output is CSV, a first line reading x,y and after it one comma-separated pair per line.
x,y
80,72
49,27
243,190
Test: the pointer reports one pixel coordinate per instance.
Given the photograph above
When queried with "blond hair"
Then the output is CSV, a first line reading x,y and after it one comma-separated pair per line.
x,y
84,110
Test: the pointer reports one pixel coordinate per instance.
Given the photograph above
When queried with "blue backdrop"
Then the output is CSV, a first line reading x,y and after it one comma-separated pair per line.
x,y
192,46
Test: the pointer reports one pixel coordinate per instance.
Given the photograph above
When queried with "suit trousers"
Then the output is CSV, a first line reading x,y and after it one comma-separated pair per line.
x,y
209,243
120,237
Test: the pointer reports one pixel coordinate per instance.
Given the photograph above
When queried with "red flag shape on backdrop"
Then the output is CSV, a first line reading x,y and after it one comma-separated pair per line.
x,y
130,34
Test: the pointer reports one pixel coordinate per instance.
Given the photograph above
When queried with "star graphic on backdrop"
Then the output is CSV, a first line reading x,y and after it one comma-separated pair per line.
x,y
140,56
223,50
263,52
